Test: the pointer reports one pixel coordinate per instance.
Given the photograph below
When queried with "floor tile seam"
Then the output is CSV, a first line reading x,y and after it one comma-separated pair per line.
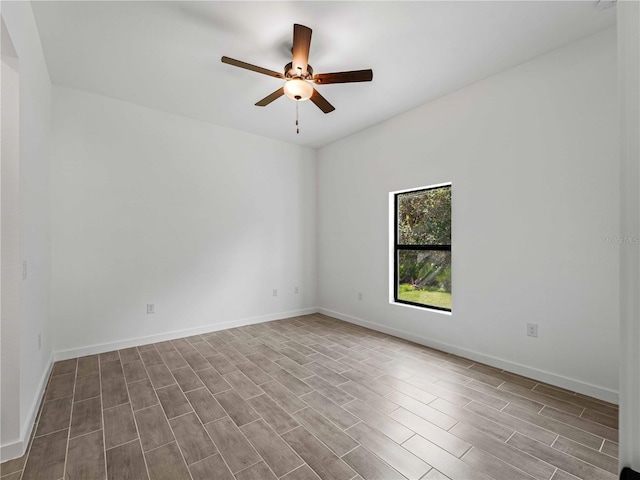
x,y
66,452
554,431
428,404
319,440
73,402
509,403
386,415
130,361
592,411
387,463
138,381
414,434
225,416
13,472
84,376
245,398
469,379
273,430
584,408
86,433
507,440
544,404
218,449
584,446
124,443
563,453
578,428
597,401
256,463
55,431
203,459
58,398
475,447
477,391
515,418
84,399
560,390
471,446
218,452
135,420
104,438
160,446
37,424
594,421
347,453
305,464
203,425
337,426
608,455
291,429
574,395
364,386
134,381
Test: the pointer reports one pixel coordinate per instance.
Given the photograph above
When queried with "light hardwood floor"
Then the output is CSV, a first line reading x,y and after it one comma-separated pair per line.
x,y
306,398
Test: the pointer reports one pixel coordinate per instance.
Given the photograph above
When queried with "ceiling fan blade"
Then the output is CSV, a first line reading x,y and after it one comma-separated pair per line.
x,y
344,77
301,46
321,102
253,68
271,97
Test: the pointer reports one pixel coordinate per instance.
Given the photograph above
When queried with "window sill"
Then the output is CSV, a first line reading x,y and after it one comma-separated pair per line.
x,y
432,310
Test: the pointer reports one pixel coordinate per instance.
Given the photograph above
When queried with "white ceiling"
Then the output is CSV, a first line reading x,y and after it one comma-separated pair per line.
x,y
166,55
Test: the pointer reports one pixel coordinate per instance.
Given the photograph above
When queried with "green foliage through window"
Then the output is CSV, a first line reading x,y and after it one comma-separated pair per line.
x,y
423,247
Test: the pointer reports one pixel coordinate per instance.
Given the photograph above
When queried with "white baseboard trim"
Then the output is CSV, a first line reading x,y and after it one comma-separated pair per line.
x,y
534,373
16,449
9,451
172,335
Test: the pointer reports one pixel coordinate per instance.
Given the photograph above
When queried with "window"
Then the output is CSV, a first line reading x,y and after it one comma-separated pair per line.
x,y
422,247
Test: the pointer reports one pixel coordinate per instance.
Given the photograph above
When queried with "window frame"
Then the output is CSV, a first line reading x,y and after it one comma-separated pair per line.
x,y
397,248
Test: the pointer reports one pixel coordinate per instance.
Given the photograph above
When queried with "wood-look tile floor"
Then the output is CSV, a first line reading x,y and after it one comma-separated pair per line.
x,y
306,398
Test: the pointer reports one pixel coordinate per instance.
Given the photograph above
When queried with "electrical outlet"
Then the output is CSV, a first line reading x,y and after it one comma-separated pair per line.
x,y
39,341
532,329
360,296
151,308
24,270
275,292
296,290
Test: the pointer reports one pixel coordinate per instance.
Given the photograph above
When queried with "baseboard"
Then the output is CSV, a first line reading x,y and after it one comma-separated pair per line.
x,y
13,450
536,374
172,335
17,448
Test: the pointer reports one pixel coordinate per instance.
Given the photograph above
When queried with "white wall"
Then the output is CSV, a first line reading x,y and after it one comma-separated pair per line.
x,y
10,243
149,207
532,156
33,223
628,15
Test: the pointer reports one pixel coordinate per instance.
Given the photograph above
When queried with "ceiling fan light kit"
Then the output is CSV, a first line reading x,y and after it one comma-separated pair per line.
x,y
298,89
299,77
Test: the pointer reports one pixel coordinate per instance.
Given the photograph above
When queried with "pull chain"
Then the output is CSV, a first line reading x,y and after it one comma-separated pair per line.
x,y
297,125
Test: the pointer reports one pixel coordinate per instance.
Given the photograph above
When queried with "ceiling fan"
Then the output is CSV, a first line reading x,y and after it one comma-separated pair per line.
x,y
298,74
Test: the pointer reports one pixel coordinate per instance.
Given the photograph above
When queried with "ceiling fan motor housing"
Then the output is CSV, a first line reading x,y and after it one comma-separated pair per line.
x,y
290,72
